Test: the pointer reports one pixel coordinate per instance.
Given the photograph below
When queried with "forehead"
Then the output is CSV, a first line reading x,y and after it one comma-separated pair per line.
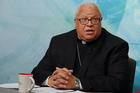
x,y
88,12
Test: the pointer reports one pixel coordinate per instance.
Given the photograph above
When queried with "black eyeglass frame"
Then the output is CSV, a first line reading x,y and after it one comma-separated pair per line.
x,y
93,20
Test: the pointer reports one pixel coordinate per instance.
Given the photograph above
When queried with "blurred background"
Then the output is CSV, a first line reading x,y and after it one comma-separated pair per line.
x,y
26,27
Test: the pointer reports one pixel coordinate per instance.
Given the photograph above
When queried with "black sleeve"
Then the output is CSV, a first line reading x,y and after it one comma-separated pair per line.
x,y
44,68
117,77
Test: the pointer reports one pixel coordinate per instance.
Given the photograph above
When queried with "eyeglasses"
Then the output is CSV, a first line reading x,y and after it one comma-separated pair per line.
x,y
85,21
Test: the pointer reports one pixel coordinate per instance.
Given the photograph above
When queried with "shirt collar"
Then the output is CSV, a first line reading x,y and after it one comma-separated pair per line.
x,y
83,42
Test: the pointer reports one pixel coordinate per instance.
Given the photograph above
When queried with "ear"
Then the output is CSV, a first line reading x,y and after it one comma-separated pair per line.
x,y
75,22
101,19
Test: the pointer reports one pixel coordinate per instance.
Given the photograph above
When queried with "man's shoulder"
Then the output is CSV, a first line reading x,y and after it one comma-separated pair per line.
x,y
113,39
67,35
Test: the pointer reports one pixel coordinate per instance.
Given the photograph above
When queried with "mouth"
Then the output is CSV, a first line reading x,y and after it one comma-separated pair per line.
x,y
89,31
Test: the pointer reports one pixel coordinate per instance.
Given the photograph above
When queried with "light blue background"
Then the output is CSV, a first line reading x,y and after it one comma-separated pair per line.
x,y
26,27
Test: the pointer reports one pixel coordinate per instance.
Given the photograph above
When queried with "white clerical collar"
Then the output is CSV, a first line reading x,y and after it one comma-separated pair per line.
x,y
83,42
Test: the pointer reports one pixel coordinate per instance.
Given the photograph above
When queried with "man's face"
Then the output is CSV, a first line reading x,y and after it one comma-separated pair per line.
x,y
88,24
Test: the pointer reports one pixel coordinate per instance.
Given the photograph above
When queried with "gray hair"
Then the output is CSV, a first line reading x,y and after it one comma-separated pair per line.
x,y
87,4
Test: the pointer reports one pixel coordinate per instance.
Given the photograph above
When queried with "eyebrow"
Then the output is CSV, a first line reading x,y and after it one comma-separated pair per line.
x,y
96,15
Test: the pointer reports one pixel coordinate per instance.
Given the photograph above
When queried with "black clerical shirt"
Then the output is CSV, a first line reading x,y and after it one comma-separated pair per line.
x,y
82,50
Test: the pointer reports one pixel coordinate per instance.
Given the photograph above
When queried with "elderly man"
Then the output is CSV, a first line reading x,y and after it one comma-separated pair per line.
x,y
87,58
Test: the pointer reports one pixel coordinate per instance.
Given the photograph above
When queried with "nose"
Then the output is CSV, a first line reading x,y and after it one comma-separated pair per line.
x,y
89,23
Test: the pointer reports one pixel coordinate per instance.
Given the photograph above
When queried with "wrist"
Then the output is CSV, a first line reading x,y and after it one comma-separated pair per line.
x,y
77,84
49,81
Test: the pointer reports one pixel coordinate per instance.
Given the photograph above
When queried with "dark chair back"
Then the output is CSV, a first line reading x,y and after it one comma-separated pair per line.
x,y
132,67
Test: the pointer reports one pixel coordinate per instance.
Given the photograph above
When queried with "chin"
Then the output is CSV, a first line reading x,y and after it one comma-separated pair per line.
x,y
89,39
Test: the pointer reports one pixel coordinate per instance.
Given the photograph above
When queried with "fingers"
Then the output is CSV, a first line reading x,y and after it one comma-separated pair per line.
x,y
65,69
60,77
71,82
62,69
59,86
57,71
68,71
59,83
63,73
